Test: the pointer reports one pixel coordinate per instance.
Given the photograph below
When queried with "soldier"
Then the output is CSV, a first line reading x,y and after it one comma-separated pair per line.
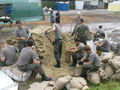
x,y
103,46
77,53
57,43
81,32
93,63
21,34
76,20
7,54
57,18
27,61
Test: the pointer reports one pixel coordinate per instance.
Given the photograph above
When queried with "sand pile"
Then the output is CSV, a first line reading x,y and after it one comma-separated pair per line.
x,y
46,50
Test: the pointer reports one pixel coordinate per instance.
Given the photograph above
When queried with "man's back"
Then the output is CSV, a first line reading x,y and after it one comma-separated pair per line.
x,y
27,56
9,52
57,31
82,30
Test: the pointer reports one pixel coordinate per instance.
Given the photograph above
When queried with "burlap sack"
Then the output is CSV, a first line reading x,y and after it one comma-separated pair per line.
x,y
61,82
106,57
94,77
81,80
109,70
68,57
85,88
76,84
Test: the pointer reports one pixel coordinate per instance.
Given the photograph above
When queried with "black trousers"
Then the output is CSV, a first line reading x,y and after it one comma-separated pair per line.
x,y
87,67
82,39
75,57
57,50
32,67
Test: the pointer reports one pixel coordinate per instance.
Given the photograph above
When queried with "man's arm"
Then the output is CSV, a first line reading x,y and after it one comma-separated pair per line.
x,y
2,57
36,61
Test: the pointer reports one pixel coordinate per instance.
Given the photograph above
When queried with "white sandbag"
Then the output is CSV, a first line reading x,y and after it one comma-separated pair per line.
x,y
61,82
81,80
6,83
78,70
85,88
91,44
109,70
116,76
113,77
102,74
75,84
106,57
41,86
16,74
94,77
116,62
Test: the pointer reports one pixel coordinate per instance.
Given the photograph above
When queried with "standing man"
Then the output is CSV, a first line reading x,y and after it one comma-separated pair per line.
x,y
57,44
81,32
7,54
103,46
77,53
93,63
21,34
51,17
27,61
57,18
76,20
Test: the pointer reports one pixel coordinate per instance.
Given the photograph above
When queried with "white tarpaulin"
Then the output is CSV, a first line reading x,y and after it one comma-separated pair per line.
x,y
7,83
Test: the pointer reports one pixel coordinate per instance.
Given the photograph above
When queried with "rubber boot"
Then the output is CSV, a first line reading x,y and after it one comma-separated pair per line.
x,y
57,65
45,78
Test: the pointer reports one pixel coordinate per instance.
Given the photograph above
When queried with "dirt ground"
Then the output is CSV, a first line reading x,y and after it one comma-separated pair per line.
x,y
92,18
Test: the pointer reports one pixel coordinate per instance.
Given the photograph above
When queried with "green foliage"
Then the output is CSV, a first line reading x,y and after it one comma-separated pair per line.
x,y
106,85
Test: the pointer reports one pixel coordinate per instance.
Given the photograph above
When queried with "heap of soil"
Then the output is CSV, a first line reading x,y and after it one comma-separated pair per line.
x,y
45,49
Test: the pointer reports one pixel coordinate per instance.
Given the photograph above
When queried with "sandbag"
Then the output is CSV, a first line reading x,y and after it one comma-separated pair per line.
x,y
116,76
61,82
106,57
85,88
16,74
81,80
94,77
78,70
75,84
115,62
109,70
102,74
68,57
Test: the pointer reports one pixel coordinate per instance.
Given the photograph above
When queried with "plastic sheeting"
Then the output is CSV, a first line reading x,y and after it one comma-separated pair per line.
x,y
7,83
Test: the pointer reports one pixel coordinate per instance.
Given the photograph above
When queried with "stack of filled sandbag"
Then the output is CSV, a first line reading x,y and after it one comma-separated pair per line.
x,y
110,69
71,83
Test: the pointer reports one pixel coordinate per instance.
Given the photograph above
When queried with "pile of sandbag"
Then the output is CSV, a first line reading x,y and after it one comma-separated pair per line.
x,y
110,69
71,83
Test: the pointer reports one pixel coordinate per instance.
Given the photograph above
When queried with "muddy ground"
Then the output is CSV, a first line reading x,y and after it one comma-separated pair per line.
x,y
93,18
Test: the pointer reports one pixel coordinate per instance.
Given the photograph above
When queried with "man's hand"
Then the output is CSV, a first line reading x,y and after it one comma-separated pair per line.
x,y
36,62
80,62
23,38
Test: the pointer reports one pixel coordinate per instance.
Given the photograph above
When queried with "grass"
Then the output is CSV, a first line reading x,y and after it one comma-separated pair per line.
x,y
106,85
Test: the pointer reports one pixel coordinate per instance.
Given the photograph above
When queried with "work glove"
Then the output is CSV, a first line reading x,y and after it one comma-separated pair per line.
x,y
80,62
46,32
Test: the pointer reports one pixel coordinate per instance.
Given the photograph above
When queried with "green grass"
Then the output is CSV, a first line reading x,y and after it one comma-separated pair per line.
x,y
106,85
